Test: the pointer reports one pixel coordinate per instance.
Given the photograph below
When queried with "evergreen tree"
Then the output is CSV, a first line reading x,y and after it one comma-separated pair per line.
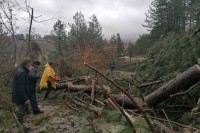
x,y
113,39
165,16
59,35
77,35
95,32
120,46
130,50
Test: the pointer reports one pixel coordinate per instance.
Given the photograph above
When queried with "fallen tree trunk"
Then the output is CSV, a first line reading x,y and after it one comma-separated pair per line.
x,y
180,83
75,88
123,100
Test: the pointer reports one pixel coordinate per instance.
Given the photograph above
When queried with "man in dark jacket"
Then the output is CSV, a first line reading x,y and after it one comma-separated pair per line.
x,y
33,74
20,90
112,65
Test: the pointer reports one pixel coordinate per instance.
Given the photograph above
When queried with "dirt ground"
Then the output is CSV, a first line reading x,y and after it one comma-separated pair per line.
x,y
61,119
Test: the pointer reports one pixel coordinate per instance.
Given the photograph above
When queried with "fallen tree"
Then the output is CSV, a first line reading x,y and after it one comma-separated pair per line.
x,y
181,83
124,101
126,93
75,88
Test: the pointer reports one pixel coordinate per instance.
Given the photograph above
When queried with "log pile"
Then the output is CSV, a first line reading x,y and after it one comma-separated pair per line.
x,y
180,83
118,102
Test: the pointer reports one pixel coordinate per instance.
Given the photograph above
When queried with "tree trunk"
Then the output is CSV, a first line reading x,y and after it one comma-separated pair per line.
x,y
181,83
123,100
75,88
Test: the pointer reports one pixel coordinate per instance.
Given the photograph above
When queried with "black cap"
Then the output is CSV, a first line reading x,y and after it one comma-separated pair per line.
x,y
36,62
50,63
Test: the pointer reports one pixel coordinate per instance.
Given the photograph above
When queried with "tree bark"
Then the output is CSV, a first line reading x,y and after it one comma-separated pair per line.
x,y
162,127
123,100
181,83
75,88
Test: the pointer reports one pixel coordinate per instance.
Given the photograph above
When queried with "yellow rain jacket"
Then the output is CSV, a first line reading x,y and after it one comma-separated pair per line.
x,y
48,75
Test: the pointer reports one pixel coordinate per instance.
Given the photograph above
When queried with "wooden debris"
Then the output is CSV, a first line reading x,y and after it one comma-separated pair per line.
x,y
93,108
150,83
126,93
110,103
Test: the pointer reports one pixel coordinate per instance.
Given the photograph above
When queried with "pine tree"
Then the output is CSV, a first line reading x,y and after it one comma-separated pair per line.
x,y
59,34
77,35
120,46
95,32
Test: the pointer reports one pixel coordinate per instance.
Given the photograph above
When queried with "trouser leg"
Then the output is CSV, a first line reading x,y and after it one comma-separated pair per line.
x,y
34,103
20,113
49,88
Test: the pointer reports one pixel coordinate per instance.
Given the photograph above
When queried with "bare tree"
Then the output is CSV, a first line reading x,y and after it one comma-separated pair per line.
x,y
8,19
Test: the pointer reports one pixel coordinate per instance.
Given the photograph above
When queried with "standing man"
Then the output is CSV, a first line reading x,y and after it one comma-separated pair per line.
x,y
48,81
20,89
33,74
112,66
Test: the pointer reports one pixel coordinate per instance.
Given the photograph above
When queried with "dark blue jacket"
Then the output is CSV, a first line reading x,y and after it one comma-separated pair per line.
x,y
20,90
112,65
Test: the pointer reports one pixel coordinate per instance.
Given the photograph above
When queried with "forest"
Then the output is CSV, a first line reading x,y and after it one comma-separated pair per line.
x,y
153,87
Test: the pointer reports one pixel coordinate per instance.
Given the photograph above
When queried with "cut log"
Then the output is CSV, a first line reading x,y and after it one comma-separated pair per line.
x,y
93,89
124,100
75,88
181,83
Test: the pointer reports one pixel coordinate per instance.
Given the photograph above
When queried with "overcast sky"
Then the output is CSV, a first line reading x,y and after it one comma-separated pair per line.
x,y
115,16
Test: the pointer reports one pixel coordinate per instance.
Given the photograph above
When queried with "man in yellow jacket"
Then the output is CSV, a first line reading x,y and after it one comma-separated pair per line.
x,y
48,81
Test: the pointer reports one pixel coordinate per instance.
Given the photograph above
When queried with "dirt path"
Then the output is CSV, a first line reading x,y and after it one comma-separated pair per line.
x,y
58,118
